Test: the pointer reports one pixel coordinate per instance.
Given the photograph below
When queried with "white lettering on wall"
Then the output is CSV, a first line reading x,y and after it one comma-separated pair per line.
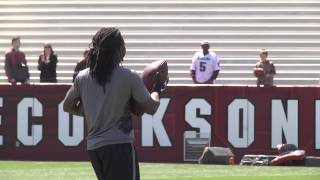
x,y
153,125
198,122
284,121
317,130
23,121
64,135
1,105
241,123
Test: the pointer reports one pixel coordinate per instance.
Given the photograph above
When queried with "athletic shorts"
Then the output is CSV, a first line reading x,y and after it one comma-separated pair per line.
x,y
115,162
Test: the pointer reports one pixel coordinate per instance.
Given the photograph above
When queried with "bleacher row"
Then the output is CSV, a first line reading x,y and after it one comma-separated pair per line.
x,y
173,30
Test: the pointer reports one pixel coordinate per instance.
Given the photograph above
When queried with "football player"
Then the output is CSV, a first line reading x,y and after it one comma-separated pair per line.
x,y
103,94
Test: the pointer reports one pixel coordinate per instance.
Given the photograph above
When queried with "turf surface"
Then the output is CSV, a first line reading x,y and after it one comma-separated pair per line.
x,y
28,170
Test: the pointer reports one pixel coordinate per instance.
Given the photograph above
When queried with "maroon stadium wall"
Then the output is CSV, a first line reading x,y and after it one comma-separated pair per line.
x,y
249,120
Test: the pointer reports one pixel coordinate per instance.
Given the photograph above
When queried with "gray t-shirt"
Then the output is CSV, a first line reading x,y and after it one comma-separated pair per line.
x,y
108,114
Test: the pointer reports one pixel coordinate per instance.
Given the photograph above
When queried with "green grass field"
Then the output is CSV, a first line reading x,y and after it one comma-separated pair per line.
x,y
26,170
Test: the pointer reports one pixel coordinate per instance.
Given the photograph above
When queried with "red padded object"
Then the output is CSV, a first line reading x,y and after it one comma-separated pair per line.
x,y
296,155
258,72
148,74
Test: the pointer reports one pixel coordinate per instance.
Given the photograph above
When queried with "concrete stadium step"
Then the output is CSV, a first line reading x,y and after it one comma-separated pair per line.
x,y
224,74
225,68
224,81
17,17
80,43
249,73
181,61
178,51
178,9
252,81
181,27
139,20
164,53
235,67
187,59
165,3
174,12
157,6
146,35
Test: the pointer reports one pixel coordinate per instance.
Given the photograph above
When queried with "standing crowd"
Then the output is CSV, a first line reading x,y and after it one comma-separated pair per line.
x,y
205,65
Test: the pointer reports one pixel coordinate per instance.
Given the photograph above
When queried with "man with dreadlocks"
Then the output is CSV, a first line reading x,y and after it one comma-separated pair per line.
x,y
103,94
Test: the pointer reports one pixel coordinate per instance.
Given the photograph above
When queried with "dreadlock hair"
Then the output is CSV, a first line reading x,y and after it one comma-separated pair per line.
x,y
106,53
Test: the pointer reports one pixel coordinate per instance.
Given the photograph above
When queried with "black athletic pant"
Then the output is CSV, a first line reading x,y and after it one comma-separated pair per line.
x,y
115,162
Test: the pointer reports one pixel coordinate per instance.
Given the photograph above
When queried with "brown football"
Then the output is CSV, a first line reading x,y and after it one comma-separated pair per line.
x,y
148,74
258,72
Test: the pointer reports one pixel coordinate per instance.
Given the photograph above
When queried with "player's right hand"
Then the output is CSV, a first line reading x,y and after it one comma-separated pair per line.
x,y
158,85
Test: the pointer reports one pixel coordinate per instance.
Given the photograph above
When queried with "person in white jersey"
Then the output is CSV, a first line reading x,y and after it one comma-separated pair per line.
x,y
205,65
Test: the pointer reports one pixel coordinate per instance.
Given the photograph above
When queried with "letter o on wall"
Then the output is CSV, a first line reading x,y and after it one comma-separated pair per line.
x,y
241,123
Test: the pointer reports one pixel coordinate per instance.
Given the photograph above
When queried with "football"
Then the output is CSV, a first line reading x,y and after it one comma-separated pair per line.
x,y
258,72
149,72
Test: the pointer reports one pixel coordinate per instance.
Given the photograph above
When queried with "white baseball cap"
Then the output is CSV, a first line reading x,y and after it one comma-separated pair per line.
x,y
205,42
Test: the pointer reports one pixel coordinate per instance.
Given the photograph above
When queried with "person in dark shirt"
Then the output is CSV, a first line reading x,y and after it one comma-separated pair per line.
x,y
16,67
47,64
81,65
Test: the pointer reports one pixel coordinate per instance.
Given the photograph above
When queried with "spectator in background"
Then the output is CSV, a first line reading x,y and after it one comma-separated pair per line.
x,y
16,67
264,70
81,65
205,65
47,64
